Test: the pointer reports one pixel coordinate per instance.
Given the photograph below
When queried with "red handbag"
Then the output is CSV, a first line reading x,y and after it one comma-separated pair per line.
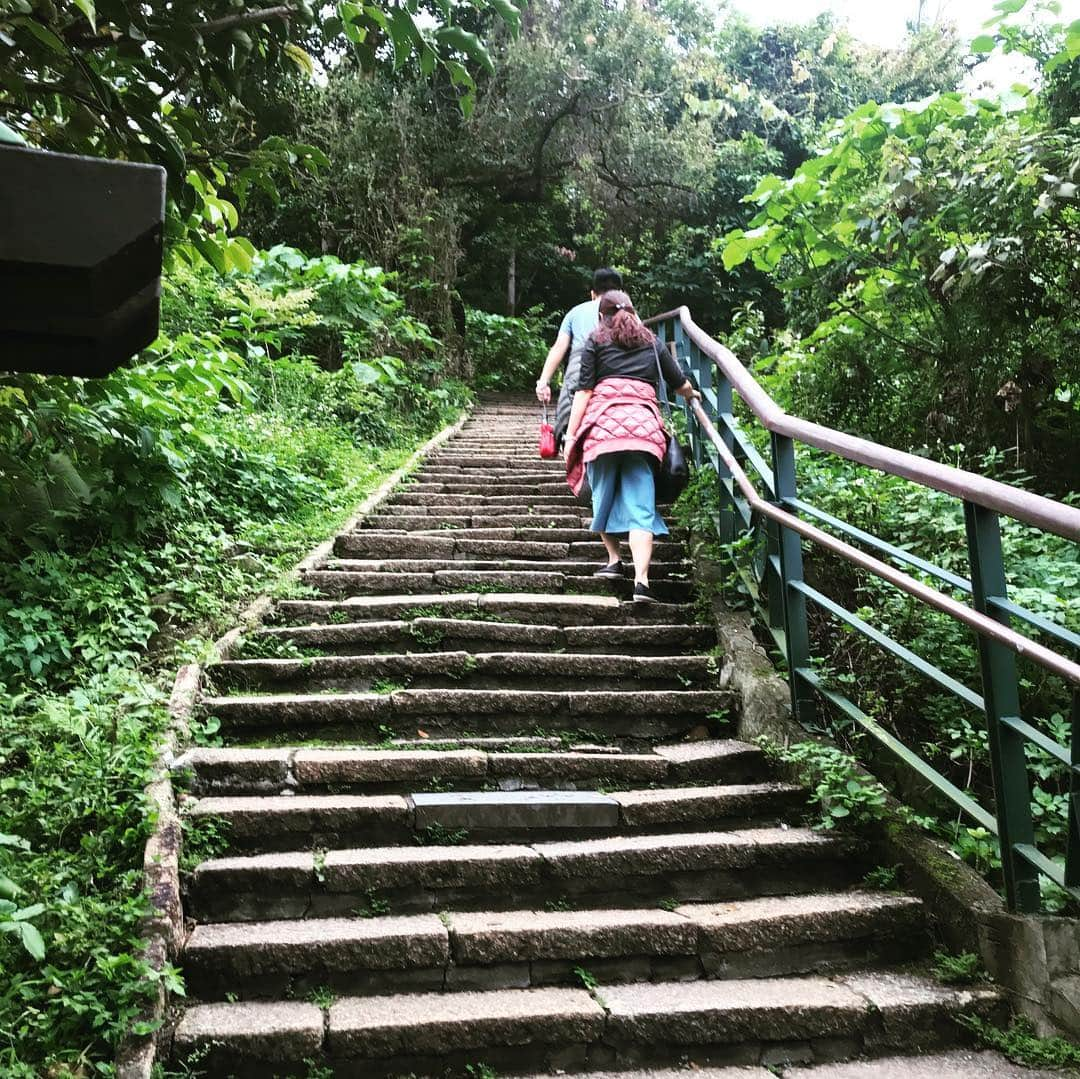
x,y
547,437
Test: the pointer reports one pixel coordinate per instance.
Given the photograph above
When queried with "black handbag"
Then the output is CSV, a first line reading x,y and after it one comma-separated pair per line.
x,y
674,473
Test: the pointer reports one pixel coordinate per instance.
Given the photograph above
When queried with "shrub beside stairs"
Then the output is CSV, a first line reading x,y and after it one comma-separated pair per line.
x,y
477,813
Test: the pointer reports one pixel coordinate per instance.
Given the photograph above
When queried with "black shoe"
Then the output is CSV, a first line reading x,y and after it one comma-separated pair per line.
x,y
615,569
642,594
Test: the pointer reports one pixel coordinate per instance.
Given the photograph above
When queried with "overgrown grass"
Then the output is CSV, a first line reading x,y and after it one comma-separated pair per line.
x,y
106,590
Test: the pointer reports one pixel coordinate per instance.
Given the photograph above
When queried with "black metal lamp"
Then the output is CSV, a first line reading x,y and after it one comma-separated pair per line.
x,y
80,260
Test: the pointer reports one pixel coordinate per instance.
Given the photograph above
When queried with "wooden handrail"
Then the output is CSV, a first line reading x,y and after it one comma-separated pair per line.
x,y
1033,509
988,627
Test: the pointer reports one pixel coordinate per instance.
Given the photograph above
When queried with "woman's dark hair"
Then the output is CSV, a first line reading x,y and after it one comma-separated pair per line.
x,y
619,323
605,279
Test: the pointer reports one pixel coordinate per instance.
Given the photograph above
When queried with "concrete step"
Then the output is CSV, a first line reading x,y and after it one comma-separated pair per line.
x,y
636,870
490,544
459,950
678,570
545,519
279,821
390,582
233,770
483,487
455,634
628,714
449,474
559,610
473,670
557,1029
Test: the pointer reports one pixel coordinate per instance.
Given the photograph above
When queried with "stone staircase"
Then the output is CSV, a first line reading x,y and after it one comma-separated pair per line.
x,y
485,816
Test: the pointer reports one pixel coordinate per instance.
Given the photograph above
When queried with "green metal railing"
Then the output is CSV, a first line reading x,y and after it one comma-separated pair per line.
x,y
769,508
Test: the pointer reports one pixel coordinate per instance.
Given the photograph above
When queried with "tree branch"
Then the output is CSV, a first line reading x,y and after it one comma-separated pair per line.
x,y
206,29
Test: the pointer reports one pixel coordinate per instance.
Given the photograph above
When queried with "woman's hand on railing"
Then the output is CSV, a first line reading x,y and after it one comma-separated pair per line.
x,y
687,390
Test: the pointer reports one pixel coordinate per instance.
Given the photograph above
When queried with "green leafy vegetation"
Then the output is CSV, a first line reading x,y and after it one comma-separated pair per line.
x,y
963,969
1021,1044
140,511
844,796
882,878
179,87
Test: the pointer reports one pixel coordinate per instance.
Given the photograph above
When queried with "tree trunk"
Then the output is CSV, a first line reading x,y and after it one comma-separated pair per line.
x,y
511,283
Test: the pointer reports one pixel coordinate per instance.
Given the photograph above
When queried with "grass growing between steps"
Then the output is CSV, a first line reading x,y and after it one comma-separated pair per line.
x,y
99,605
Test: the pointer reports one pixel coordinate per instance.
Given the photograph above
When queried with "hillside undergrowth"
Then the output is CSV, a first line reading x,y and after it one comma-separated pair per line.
x,y
141,511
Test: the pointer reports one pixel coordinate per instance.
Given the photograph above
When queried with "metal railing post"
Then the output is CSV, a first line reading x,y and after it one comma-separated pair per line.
x,y
1001,693
703,372
792,602
1072,841
725,404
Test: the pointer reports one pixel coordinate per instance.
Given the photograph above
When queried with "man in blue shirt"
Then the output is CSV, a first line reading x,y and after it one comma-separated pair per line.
x,y
579,322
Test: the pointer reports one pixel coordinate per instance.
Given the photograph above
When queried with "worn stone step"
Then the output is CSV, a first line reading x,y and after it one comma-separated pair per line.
x,y
629,714
560,610
475,670
454,634
390,582
460,521
774,1020
232,770
517,949
514,476
493,544
632,869
568,567
481,487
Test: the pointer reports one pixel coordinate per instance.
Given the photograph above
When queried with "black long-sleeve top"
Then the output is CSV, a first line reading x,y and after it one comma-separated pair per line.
x,y
613,361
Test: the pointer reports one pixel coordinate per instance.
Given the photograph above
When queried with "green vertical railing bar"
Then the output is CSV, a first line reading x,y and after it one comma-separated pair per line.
x,y
1001,694
793,602
1072,842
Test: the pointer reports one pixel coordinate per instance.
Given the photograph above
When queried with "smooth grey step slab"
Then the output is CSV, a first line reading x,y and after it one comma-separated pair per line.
x,y
516,809
437,1023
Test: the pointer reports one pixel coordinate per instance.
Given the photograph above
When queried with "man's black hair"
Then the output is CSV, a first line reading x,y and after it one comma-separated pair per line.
x,y
605,279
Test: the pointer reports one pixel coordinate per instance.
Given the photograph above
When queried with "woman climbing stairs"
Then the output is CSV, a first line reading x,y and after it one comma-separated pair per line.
x,y
485,816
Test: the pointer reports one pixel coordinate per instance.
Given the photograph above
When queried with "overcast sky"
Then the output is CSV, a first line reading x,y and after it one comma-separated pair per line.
x,y
882,21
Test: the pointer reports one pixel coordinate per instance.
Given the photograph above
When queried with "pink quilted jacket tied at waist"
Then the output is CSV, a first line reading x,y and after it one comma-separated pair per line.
x,y
622,415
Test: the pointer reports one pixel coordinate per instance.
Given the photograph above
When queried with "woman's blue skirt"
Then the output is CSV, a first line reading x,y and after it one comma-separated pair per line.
x,y
624,494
